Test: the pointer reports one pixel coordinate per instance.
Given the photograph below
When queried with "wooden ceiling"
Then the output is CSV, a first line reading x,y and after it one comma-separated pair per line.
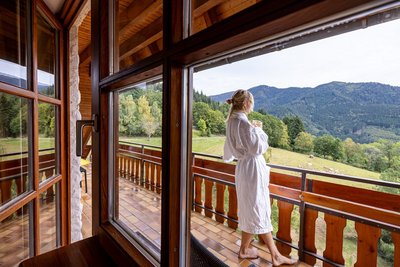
x,y
139,26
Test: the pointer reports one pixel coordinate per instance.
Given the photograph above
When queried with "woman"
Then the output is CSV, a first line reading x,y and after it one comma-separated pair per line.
x,y
247,142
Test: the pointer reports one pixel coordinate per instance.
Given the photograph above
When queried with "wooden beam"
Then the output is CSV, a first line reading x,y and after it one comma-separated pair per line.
x,y
143,38
137,12
85,55
204,6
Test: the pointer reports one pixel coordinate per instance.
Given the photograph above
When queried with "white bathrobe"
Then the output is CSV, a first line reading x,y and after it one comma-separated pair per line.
x,y
248,144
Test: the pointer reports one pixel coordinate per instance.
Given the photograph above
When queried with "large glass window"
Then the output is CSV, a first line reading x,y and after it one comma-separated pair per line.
x,y
47,38
138,31
30,124
13,42
138,184
15,147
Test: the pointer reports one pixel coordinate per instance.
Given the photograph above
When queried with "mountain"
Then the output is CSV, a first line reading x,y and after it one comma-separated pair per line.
x,y
363,111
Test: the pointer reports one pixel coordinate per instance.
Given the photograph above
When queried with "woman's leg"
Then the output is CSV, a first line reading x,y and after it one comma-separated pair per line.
x,y
277,257
245,251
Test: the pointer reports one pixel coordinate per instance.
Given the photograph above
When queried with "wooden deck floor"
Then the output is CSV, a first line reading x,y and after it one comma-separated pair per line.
x,y
141,209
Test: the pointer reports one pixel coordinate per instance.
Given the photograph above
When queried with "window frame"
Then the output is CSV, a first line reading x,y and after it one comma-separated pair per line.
x,y
32,197
262,22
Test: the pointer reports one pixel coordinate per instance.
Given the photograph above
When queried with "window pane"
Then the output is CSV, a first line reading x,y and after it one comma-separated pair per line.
x,y
208,12
13,42
15,147
47,141
138,164
138,31
16,237
49,219
46,57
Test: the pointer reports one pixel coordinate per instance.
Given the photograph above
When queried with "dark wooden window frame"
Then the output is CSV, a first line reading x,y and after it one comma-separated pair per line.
x,y
32,94
259,23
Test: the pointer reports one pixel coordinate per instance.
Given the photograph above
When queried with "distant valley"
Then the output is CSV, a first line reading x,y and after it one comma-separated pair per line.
x,y
363,111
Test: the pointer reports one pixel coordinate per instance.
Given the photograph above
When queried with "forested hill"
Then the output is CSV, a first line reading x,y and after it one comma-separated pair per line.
x,y
363,111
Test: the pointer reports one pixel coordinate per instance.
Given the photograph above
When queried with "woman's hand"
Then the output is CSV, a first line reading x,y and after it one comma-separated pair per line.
x,y
256,123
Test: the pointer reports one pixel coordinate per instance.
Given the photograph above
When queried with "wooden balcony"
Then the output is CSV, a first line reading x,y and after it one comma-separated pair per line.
x,y
315,213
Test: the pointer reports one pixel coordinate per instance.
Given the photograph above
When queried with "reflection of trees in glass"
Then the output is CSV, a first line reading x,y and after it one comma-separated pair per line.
x,y
46,119
13,118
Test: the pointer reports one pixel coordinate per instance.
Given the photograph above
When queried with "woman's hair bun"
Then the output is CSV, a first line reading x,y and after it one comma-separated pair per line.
x,y
229,101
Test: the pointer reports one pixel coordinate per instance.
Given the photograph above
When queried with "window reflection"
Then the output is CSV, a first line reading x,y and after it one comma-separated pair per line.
x,y
47,141
49,219
46,57
15,140
15,237
13,42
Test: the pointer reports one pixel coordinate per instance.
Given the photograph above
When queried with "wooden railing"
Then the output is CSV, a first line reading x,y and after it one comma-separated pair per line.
x,y
15,171
215,194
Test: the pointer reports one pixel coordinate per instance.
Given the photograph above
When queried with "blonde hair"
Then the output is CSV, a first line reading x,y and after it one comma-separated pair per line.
x,y
239,100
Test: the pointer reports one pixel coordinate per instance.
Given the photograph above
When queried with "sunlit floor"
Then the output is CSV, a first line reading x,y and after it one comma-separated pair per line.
x,y
140,209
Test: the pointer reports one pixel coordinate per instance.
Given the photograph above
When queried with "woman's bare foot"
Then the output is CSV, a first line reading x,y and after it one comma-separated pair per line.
x,y
281,260
248,253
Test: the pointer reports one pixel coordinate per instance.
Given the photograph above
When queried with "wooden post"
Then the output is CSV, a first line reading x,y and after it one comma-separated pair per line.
x,y
233,208
285,216
197,195
334,239
158,183
220,203
367,245
310,216
208,198
396,242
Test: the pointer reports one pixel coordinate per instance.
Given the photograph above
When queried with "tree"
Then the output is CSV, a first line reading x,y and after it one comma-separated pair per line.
x,y
353,153
46,120
9,110
202,127
304,142
274,128
295,126
329,146
214,119
129,123
375,157
156,113
148,122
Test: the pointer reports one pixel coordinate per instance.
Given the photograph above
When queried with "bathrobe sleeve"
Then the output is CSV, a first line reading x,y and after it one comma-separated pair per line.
x,y
254,139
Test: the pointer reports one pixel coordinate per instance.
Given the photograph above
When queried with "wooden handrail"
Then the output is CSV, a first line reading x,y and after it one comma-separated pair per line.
x,y
214,182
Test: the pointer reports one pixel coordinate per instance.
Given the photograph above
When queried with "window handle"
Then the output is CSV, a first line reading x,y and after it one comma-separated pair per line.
x,y
80,124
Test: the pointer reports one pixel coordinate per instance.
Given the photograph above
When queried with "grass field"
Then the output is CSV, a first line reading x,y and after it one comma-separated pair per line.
x,y
14,145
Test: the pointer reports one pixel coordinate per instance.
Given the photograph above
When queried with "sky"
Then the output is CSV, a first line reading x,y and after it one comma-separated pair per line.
x,y
367,55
